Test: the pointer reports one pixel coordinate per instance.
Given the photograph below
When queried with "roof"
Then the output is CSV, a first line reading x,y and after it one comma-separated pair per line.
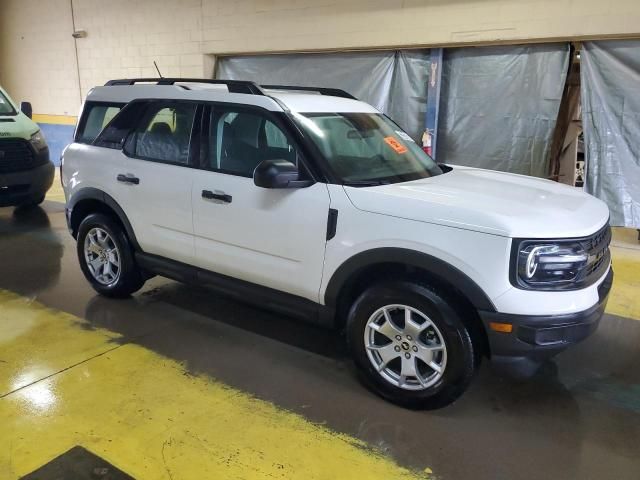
x,y
273,98
310,102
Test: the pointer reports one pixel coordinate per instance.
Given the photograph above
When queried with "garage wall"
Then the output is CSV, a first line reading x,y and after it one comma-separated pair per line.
x,y
257,26
37,60
127,36
38,64
37,56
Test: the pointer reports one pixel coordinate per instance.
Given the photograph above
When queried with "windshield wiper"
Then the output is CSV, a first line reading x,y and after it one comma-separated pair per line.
x,y
365,183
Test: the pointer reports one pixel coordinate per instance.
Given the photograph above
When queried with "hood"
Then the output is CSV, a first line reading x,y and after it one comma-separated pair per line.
x,y
488,201
17,126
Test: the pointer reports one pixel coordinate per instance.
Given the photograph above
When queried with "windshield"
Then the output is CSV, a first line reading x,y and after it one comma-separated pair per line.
x,y
5,106
367,148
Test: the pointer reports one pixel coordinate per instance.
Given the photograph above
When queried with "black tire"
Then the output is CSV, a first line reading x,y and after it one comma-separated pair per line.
x,y
32,203
462,356
130,277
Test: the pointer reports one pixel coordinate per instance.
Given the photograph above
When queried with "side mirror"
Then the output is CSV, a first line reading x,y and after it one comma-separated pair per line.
x,y
278,174
25,107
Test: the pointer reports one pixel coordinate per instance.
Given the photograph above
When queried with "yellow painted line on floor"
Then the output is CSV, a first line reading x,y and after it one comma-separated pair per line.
x,y
48,349
56,193
625,294
146,414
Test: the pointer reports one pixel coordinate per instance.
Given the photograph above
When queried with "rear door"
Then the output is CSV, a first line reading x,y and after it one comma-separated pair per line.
x,y
151,178
271,237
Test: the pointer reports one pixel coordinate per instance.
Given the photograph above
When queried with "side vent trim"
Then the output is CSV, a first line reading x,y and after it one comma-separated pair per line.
x,y
332,223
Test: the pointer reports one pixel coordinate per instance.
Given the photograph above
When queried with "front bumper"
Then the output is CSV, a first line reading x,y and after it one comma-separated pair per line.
x,y
27,186
535,338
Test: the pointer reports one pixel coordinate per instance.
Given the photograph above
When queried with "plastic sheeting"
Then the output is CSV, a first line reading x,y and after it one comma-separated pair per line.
x,y
610,78
499,105
395,82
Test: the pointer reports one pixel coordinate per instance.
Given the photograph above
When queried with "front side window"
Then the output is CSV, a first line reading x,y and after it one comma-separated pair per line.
x,y
5,105
164,133
366,148
96,117
240,140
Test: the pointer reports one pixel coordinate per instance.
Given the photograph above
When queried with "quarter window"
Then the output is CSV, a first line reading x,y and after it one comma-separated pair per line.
x,y
96,117
240,140
164,133
275,138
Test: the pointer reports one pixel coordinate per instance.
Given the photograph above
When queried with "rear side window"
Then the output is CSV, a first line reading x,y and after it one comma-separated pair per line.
x,y
164,133
95,117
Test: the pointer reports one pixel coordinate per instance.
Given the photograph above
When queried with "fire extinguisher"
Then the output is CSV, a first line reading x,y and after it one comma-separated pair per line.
x,y
426,142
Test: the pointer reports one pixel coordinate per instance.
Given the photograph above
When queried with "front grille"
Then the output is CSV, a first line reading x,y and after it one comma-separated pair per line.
x,y
597,247
16,155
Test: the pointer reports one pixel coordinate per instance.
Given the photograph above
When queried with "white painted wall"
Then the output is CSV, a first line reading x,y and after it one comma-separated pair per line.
x,y
37,53
37,60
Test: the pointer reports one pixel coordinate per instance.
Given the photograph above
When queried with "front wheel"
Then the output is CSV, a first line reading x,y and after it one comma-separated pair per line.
x,y
411,344
34,202
106,257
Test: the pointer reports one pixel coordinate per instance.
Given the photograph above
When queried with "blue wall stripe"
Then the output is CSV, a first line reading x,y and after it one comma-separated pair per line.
x,y
58,137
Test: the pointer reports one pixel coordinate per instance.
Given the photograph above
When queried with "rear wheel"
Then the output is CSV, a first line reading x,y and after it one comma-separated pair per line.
x,y
411,345
106,257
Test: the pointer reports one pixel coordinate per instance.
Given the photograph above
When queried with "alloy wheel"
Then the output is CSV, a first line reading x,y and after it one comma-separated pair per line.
x,y
102,256
405,347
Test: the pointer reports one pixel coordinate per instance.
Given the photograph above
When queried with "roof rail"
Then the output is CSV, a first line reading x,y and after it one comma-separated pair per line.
x,y
334,92
234,86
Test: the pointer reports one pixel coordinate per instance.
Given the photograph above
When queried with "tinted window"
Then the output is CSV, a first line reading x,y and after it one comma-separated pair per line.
x,y
95,118
239,141
164,133
274,136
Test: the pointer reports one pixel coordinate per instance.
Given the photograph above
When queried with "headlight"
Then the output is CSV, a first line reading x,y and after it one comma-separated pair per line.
x,y
550,266
38,141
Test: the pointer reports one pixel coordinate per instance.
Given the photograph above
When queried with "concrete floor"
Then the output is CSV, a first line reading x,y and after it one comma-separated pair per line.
x,y
178,381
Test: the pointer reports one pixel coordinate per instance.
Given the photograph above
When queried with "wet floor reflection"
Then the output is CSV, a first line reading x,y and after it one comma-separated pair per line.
x,y
30,250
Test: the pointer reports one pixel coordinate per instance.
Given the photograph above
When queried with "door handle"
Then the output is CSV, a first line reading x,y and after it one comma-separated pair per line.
x,y
223,197
128,179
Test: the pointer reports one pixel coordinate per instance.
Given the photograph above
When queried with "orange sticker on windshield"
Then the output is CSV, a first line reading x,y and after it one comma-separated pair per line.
x,y
395,144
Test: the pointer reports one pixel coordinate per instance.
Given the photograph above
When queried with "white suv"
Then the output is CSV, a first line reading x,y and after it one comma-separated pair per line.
x,y
312,203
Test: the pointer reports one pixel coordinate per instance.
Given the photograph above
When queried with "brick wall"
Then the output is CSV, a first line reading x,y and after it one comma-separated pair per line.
x,y
125,41
37,53
37,61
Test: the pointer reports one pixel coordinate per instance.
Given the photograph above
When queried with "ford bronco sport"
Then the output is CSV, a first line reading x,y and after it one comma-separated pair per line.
x,y
312,203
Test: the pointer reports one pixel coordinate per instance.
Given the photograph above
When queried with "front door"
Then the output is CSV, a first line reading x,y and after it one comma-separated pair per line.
x,y
271,237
